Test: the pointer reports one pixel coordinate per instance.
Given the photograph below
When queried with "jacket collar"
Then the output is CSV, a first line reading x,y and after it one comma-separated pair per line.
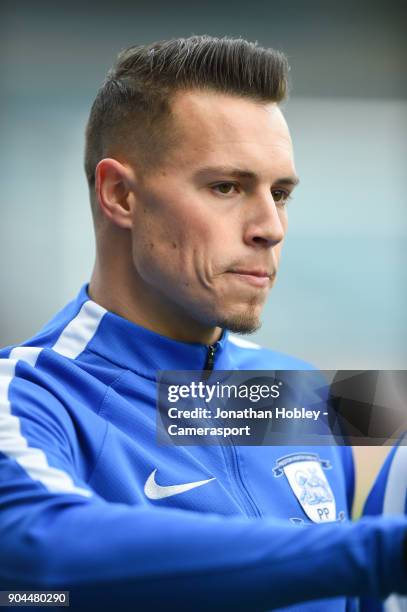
x,y
143,351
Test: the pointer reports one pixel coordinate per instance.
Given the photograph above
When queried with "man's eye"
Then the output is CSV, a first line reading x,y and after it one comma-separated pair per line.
x,y
280,196
225,188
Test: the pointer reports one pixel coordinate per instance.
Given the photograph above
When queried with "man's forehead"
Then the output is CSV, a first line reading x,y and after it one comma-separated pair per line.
x,y
230,129
221,113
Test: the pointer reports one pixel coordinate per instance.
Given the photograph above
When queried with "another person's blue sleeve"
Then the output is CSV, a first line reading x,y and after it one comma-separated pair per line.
x,y
388,497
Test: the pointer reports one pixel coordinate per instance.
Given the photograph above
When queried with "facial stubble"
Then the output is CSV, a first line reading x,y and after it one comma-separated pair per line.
x,y
246,322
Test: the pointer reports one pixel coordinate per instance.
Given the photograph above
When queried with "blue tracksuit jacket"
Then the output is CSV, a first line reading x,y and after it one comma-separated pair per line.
x,y
388,497
86,499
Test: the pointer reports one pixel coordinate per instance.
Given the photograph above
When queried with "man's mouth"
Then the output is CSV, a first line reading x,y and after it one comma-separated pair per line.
x,y
255,276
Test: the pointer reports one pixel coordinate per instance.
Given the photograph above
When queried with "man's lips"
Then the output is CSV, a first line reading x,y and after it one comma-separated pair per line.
x,y
255,276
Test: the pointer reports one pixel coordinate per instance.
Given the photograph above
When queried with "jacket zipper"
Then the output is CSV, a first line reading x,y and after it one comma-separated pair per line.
x,y
210,358
251,506
250,503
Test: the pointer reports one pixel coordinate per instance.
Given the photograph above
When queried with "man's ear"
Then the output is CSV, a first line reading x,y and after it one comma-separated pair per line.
x,y
113,191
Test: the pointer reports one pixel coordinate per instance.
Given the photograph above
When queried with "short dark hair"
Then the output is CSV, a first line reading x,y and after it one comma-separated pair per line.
x,y
133,104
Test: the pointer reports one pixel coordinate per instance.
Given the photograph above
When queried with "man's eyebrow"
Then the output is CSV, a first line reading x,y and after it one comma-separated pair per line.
x,y
289,180
243,173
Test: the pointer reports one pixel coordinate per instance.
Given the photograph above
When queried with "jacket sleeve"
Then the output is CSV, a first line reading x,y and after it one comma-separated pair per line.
x,y
56,532
388,494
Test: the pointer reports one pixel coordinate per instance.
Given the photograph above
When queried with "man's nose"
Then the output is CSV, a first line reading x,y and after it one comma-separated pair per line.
x,y
264,224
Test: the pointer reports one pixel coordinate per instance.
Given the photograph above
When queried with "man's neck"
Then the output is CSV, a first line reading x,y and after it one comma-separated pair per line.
x,y
136,305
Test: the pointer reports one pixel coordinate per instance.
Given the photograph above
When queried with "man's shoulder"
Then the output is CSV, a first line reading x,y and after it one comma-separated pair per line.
x,y
58,359
253,356
51,388
48,334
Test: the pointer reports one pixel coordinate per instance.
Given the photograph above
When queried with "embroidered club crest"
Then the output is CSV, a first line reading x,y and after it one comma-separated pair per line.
x,y
307,480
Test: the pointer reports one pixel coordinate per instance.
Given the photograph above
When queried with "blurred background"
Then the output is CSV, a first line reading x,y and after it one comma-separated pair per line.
x,y
341,297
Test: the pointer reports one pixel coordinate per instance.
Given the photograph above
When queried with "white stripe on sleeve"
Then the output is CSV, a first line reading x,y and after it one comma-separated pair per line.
x,y
71,343
80,331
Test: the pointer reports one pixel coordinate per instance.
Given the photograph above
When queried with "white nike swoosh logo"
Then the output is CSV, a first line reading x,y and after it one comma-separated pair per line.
x,y
153,490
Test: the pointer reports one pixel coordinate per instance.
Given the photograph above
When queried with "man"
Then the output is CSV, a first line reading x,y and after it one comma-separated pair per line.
x,y
190,167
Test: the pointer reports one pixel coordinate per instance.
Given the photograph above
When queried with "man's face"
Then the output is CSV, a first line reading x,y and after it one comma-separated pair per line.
x,y
210,220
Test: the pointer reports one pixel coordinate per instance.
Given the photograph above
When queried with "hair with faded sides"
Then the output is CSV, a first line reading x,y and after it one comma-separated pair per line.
x,y
132,109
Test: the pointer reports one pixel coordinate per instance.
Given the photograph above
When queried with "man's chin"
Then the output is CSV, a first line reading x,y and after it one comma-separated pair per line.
x,y
245,323
243,327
